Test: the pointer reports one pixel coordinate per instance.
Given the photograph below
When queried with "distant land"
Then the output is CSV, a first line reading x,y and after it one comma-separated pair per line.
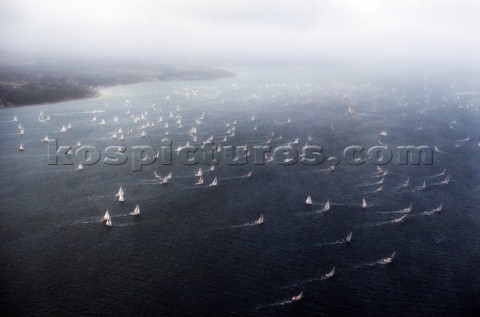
x,y
27,80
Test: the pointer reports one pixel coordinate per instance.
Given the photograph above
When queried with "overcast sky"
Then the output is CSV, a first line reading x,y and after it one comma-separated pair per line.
x,y
300,30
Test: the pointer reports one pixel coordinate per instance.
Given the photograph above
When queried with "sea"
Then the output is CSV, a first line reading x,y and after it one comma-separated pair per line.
x,y
195,250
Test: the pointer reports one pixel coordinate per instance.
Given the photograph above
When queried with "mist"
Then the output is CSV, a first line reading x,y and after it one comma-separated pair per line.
x,y
228,32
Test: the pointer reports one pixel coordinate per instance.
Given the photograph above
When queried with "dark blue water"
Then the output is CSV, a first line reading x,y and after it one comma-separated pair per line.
x,y
193,251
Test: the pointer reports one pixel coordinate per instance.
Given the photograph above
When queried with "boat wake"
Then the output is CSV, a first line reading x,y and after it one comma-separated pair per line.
x,y
248,224
330,243
279,303
376,224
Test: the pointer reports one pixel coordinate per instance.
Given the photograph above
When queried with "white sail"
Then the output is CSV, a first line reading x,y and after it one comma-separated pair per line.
x,y
94,118
259,221
106,216
136,211
408,209
407,182
438,209
390,258
22,131
446,180
327,206
424,184
79,167
331,273
379,189
121,198
143,134
200,181
21,148
212,168
298,297
249,174
108,223
120,192
63,129
309,200
15,119
79,144
348,239
69,126
156,175
364,203
214,182
199,173
400,219
103,122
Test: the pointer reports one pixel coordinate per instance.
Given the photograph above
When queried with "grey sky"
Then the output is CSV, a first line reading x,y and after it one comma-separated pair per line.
x,y
303,30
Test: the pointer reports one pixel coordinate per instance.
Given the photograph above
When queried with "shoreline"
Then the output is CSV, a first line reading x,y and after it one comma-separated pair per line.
x,y
99,93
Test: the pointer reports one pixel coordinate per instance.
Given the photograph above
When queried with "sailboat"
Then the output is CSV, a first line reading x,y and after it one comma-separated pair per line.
x,y
69,126
379,189
364,203
106,216
79,144
45,138
21,148
156,175
398,220
249,174
120,194
327,206
94,118
15,119
331,273
108,223
298,297
309,200
446,180
199,173
380,182
79,167
389,259
143,134
408,209
383,133
438,209
407,182
63,129
136,211
424,185
259,221
212,168
214,183
103,122
348,239
22,132
200,181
